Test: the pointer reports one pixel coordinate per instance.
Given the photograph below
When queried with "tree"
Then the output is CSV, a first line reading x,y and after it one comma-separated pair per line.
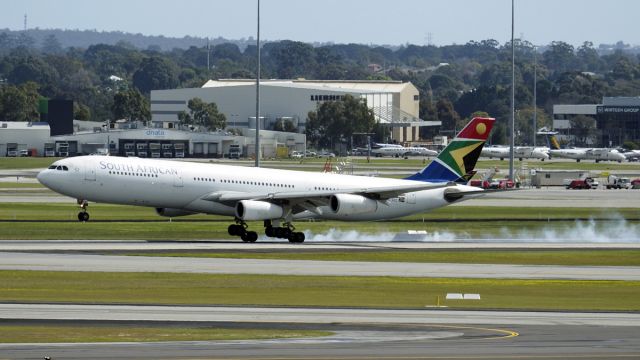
x,y
336,121
448,116
285,125
583,128
81,112
203,114
560,57
155,73
524,127
51,45
131,105
588,57
19,103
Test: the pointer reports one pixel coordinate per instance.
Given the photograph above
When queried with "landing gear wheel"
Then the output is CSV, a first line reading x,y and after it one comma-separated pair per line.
x,y
270,231
296,237
251,236
235,229
83,216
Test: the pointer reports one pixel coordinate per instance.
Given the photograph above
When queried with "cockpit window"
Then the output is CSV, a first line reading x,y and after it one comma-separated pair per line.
x,y
52,167
59,167
65,168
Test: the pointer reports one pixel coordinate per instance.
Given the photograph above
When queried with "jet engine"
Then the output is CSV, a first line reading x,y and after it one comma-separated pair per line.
x,y
258,210
170,212
349,204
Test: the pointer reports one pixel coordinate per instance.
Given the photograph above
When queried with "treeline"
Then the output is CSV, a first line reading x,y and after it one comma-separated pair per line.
x,y
454,81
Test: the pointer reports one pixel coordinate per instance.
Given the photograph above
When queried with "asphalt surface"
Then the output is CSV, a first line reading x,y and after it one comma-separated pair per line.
x,y
358,334
114,263
235,245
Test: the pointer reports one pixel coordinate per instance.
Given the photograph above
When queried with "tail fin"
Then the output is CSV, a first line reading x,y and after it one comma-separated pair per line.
x,y
553,142
457,160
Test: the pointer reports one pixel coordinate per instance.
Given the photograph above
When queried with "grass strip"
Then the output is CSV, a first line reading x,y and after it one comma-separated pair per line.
x,y
513,257
321,291
342,231
67,211
59,221
74,333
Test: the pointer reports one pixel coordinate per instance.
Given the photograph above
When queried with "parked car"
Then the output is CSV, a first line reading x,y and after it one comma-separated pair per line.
x,y
635,183
296,155
310,153
327,154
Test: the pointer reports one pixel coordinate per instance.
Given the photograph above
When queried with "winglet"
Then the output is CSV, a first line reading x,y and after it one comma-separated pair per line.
x,y
459,158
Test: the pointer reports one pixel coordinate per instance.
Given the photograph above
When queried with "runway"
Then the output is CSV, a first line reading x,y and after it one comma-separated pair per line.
x,y
358,333
284,245
114,263
311,315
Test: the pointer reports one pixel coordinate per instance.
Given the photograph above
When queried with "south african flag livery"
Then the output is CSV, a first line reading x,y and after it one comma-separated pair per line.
x,y
457,160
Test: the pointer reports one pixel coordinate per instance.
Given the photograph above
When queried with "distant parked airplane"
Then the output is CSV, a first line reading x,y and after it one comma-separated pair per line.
x,y
277,197
520,152
402,151
597,154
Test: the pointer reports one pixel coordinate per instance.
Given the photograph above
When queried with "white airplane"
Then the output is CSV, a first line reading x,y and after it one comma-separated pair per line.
x,y
278,197
597,154
520,152
401,151
632,155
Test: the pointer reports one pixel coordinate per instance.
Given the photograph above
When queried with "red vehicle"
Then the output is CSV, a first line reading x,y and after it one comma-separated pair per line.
x,y
586,183
635,184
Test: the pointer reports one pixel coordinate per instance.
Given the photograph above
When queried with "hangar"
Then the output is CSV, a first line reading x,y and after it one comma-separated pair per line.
x,y
133,139
393,102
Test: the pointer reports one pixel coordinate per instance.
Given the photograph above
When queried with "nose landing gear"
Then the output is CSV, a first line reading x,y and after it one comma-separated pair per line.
x,y
83,215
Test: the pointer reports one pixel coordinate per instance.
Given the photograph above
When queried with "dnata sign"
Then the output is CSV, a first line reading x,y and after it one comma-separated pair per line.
x,y
158,133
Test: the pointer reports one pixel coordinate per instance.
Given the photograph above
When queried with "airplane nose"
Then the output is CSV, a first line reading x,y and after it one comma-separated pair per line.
x,y
42,176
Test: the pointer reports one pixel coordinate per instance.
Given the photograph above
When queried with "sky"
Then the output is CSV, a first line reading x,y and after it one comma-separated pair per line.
x,y
397,22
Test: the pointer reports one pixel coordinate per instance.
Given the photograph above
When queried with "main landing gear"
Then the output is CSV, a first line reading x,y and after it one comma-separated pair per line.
x,y
83,215
282,232
240,229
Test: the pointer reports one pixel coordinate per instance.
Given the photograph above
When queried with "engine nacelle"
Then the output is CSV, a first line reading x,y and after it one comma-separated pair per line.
x,y
170,212
258,210
349,204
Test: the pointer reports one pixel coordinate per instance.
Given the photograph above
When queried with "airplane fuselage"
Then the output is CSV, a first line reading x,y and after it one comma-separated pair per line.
x,y
186,186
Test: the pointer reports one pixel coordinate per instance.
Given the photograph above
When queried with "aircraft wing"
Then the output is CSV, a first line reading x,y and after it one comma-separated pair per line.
x,y
378,193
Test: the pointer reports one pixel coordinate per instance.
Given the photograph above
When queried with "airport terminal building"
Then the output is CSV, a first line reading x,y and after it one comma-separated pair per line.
x,y
393,102
617,120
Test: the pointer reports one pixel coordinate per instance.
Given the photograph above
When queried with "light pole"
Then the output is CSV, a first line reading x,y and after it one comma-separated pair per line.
x,y
513,85
257,164
535,102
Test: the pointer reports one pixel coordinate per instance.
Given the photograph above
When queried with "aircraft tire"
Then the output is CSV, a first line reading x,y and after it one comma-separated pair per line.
x,y
244,237
296,237
251,236
234,230
269,231
83,216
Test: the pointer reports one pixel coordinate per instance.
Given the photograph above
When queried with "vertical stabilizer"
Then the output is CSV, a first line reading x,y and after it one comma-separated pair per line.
x,y
457,161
